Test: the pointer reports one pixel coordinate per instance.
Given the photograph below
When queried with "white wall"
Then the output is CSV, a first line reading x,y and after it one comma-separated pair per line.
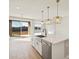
x,y
63,28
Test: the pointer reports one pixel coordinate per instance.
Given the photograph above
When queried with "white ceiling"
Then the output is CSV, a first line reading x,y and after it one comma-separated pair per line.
x,y
32,8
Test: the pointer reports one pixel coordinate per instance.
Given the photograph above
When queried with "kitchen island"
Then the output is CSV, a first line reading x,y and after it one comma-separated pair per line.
x,y
52,47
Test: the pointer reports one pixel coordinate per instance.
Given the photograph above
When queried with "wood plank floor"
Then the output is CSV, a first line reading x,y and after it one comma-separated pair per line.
x,y
22,50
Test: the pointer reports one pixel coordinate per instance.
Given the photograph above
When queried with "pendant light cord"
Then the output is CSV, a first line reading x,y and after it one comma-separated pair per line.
x,y
48,12
57,6
42,14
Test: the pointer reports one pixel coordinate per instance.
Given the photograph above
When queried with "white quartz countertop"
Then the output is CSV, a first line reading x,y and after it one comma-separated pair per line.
x,y
55,39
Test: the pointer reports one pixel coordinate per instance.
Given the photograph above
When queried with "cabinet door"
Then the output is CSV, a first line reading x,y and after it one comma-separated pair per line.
x,y
40,48
37,45
33,42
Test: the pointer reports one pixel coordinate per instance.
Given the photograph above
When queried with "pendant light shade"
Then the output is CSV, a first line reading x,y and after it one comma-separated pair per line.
x,y
58,18
48,12
48,19
42,17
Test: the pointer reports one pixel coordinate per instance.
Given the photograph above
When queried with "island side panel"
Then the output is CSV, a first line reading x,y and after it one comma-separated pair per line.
x,y
58,50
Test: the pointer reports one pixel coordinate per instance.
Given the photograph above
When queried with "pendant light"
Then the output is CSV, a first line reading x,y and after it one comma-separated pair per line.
x,y
48,20
48,12
42,12
57,18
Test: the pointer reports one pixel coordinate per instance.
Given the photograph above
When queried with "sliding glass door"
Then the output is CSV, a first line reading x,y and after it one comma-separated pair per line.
x,y
19,28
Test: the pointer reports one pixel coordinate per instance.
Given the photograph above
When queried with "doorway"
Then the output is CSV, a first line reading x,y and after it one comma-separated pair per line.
x,y
19,28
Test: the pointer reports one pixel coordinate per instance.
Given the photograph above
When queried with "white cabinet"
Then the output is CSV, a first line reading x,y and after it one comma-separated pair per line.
x,y
33,42
60,50
36,42
39,46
